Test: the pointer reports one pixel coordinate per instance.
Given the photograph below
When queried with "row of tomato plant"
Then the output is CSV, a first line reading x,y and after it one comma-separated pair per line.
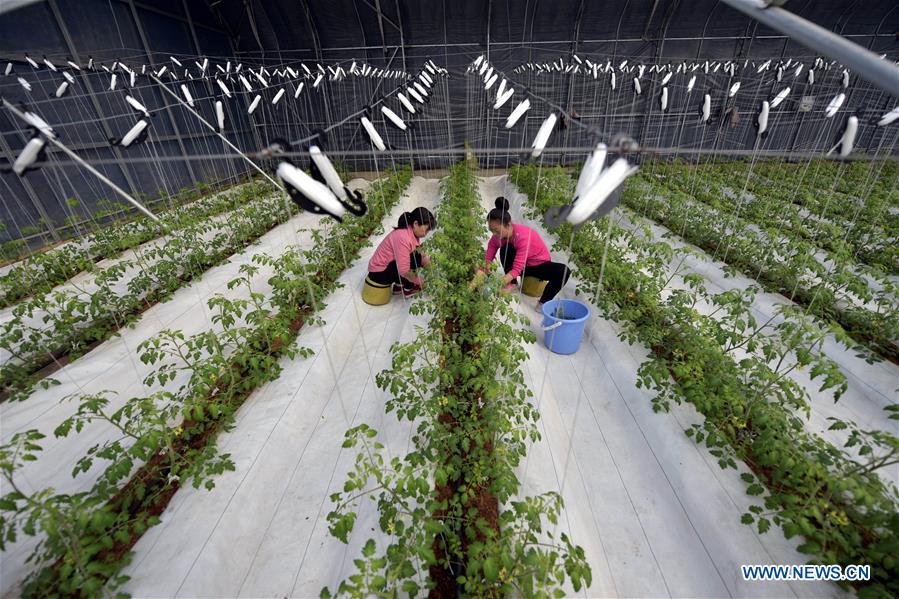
x,y
857,227
738,379
450,507
161,441
741,301
852,179
40,273
864,213
106,213
830,289
67,322
854,232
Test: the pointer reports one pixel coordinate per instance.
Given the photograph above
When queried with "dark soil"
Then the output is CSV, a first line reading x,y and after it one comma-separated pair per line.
x,y
153,475
486,504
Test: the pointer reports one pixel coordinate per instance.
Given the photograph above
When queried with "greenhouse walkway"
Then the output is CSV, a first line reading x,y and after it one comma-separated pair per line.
x,y
870,387
114,366
262,531
654,512
85,285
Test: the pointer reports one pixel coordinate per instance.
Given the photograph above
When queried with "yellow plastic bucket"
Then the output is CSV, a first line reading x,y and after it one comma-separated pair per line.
x,y
376,294
533,286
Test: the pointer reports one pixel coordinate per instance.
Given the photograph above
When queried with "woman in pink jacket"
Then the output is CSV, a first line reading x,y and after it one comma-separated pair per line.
x,y
397,255
523,253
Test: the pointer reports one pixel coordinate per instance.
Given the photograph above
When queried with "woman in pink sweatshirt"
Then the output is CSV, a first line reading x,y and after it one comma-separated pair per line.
x,y
522,253
397,255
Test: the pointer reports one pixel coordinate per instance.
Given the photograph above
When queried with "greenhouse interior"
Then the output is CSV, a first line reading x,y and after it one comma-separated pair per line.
x,y
466,298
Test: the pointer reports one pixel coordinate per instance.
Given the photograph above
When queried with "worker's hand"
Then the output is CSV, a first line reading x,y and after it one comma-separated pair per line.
x,y
478,277
508,279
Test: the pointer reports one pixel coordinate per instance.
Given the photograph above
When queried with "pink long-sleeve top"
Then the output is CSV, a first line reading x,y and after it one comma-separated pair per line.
x,y
529,248
398,245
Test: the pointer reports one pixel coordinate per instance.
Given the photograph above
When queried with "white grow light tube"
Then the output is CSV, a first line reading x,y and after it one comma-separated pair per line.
x,y
220,115
328,172
376,139
834,105
394,118
781,95
223,87
543,134
522,107
763,117
312,189
596,200
848,139
503,98
134,132
889,117
254,104
592,168
29,154
406,103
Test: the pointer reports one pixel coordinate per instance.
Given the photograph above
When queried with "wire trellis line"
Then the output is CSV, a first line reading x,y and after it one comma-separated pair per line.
x,y
510,151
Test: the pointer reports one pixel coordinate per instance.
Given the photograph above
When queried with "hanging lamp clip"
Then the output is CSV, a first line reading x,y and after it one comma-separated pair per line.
x,y
320,193
598,189
275,149
624,144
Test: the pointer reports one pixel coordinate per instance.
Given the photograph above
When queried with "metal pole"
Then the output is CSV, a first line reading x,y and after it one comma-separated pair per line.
x,y
168,111
870,67
489,15
213,129
101,145
399,17
29,190
319,56
155,9
569,97
381,26
92,94
446,104
494,43
80,161
514,151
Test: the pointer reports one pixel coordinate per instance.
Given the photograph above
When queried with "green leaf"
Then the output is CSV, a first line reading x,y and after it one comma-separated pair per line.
x,y
410,587
755,489
491,571
810,548
790,530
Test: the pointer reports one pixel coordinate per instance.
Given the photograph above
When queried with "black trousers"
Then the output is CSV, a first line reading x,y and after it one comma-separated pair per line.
x,y
555,274
391,274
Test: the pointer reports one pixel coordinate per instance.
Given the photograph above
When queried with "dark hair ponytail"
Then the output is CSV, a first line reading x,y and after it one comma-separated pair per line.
x,y
420,215
501,212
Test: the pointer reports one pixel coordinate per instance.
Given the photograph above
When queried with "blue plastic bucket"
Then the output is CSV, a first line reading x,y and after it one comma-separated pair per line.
x,y
563,335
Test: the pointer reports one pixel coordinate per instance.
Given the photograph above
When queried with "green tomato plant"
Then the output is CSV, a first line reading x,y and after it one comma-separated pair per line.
x,y
835,288
736,373
40,272
74,320
451,506
161,441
